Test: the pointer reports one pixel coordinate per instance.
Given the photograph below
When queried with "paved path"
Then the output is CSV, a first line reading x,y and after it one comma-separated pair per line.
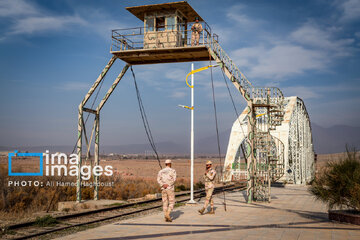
x,y
292,214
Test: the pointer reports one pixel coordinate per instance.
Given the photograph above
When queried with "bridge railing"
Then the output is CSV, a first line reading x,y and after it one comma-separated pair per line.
x,y
267,95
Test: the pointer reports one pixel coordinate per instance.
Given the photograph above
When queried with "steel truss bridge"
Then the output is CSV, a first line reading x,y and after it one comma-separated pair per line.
x,y
291,145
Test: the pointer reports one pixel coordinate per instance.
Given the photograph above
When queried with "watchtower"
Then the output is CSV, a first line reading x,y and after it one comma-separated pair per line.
x,y
165,36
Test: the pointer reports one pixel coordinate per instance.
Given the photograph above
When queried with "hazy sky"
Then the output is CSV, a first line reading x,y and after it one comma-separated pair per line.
x,y
52,51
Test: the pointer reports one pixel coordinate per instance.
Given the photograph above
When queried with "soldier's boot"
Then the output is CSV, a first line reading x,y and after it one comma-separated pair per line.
x,y
201,211
212,211
167,217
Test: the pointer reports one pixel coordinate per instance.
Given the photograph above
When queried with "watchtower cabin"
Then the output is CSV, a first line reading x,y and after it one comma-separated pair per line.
x,y
165,36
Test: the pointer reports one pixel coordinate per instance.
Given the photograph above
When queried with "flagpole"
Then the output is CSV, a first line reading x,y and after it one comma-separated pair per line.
x,y
192,140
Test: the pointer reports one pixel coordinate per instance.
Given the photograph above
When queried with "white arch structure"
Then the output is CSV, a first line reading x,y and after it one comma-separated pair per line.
x,y
296,154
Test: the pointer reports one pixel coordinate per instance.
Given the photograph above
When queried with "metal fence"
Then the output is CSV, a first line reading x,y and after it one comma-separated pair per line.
x,y
165,36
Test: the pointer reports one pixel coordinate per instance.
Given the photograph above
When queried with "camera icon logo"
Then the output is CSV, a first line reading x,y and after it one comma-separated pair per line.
x,y
17,154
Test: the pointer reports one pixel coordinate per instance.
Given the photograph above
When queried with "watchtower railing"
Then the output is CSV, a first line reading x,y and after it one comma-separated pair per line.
x,y
179,35
165,36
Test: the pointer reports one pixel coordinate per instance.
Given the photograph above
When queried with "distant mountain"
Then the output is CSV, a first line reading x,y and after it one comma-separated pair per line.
x,y
4,149
56,148
334,139
162,147
326,140
208,145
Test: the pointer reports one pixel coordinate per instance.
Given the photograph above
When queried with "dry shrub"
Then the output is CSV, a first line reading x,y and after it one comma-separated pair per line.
x,y
124,189
338,185
30,199
20,201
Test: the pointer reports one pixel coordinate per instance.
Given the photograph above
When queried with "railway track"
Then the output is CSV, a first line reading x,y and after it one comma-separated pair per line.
x,y
30,230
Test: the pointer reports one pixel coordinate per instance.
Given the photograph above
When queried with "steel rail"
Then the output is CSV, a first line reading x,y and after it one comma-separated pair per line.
x,y
200,193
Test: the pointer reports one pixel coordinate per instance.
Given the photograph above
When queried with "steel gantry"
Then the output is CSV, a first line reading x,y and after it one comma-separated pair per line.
x,y
166,38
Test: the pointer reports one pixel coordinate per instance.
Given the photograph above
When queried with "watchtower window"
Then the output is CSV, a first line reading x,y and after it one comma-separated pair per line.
x,y
160,23
150,24
170,23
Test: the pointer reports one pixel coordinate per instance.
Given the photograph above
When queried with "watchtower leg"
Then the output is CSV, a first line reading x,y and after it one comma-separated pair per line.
x,y
96,150
97,127
81,124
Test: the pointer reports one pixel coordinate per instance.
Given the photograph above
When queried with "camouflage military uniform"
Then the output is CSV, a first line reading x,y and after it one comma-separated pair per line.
x,y
167,176
195,36
209,179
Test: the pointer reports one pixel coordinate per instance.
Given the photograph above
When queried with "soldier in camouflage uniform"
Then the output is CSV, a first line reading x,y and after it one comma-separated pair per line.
x,y
209,178
196,30
166,179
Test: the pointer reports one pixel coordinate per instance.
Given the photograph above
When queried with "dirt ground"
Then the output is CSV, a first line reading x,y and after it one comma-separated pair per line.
x,y
129,171
136,176
144,168
322,159
148,168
